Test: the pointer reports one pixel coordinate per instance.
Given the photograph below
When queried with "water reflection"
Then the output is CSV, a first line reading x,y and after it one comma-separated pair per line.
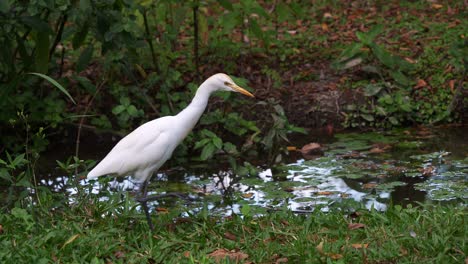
x,y
408,173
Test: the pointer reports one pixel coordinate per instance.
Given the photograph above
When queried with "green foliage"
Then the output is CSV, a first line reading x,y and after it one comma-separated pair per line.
x,y
210,143
89,234
276,132
125,111
392,99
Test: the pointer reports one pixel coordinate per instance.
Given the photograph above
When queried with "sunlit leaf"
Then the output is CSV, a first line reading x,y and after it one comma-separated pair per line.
x,y
372,89
70,240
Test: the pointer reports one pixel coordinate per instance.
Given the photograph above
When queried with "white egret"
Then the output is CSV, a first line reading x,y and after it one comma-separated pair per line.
x,y
144,151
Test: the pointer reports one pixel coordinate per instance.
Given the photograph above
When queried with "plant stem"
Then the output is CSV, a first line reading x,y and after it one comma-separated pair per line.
x,y
150,41
195,44
78,134
58,37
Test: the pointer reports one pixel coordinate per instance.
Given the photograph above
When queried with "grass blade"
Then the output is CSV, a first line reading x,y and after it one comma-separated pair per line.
x,y
55,83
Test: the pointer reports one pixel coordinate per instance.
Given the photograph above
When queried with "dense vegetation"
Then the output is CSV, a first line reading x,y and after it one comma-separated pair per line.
x,y
117,233
120,63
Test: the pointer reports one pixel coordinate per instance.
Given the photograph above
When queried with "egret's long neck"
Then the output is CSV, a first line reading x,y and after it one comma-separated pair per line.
x,y
192,113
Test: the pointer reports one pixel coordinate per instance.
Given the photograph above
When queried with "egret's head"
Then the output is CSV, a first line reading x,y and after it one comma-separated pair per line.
x,y
223,82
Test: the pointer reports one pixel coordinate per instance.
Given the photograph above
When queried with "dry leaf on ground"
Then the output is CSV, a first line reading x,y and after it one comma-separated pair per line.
x,y
352,226
222,253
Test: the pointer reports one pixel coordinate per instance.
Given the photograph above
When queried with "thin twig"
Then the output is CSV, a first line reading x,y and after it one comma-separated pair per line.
x,y
195,46
58,37
77,143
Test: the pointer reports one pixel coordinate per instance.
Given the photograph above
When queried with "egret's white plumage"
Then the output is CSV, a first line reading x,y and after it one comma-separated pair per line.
x,y
145,150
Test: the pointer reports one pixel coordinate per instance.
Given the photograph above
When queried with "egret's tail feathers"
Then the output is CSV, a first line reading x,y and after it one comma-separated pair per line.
x,y
92,175
95,173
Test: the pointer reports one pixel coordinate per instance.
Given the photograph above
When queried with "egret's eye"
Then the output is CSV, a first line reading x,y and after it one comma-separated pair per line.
x,y
227,83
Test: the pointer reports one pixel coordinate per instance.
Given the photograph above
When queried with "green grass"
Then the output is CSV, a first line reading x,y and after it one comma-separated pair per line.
x,y
115,232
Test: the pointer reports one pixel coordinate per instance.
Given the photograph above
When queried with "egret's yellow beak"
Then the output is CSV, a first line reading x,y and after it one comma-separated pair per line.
x,y
239,89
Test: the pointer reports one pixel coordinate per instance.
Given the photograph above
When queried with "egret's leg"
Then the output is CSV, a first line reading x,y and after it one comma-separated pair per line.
x,y
144,203
143,199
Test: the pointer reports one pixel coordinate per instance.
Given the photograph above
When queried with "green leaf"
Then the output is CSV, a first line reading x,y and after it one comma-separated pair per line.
x,y
85,5
118,109
362,36
368,37
208,133
393,120
226,4
55,83
350,52
371,69
42,52
368,117
37,24
207,151
230,148
372,89
80,36
400,78
380,111
85,58
5,6
245,210
255,29
217,142
383,56
87,84
27,59
374,32
201,143
283,12
386,99
125,101
403,65
132,111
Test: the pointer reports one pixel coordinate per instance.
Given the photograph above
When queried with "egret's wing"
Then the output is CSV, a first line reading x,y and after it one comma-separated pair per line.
x,y
131,152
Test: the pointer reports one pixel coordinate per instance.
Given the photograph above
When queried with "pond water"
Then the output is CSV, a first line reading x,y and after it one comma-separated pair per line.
x,y
371,170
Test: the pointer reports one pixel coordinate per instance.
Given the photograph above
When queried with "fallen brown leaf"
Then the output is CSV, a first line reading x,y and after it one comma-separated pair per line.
x,y
352,155
452,85
247,195
186,254
359,246
369,185
334,256
410,60
319,247
428,171
230,236
291,148
327,15
324,27
380,147
312,149
376,150
324,193
281,260
420,84
162,210
222,253
353,226
119,254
